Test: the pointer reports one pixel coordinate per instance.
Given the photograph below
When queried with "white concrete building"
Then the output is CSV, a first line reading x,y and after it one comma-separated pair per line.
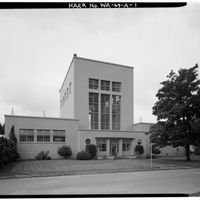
x,y
96,106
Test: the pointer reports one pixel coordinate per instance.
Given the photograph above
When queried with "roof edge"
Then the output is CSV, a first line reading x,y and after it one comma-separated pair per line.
x,y
38,117
110,63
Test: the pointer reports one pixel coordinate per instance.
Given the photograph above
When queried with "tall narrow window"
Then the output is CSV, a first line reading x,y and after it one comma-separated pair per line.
x,y
105,85
116,87
93,83
93,111
116,107
105,111
70,89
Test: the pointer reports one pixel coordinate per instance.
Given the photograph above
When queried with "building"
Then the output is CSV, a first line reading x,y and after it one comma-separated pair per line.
x,y
96,106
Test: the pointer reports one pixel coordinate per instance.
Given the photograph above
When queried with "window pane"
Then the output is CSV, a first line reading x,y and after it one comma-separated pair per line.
x,y
116,87
93,111
26,135
105,111
93,83
116,107
59,135
105,85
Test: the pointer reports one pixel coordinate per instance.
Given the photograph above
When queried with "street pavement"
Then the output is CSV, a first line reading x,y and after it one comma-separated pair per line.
x,y
185,181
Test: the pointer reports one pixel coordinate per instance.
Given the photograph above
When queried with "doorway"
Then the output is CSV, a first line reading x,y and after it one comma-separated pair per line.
x,y
114,148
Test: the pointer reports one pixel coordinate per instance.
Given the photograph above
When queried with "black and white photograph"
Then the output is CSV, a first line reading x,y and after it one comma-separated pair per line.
x,y
100,99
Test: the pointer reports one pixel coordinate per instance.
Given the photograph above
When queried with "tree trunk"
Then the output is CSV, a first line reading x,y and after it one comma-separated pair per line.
x,y
187,152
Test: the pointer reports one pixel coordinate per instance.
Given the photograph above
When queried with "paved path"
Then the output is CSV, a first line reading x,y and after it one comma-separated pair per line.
x,y
172,181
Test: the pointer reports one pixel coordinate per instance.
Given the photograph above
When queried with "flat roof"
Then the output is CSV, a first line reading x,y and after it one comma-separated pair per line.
x,y
92,60
38,117
124,131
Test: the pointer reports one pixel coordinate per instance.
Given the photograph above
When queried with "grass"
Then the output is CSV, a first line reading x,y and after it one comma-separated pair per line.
x,y
34,168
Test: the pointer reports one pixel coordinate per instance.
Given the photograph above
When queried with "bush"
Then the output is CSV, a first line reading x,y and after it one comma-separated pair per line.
x,y
92,149
139,149
8,151
43,155
156,151
65,151
83,155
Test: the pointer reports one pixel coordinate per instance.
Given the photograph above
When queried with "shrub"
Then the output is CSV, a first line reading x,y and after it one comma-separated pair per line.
x,y
65,151
92,149
155,151
43,155
139,149
8,151
196,150
83,155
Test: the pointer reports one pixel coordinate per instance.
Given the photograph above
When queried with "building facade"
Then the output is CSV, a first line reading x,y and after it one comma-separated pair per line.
x,y
96,107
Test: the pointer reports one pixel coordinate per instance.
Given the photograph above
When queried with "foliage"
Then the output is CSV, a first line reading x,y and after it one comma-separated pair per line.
x,y
177,110
92,149
156,151
139,149
65,151
83,155
196,150
2,132
8,152
43,155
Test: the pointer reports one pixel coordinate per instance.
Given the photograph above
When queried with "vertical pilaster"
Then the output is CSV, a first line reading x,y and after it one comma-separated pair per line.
x,y
99,114
35,135
132,152
110,111
51,135
120,147
107,147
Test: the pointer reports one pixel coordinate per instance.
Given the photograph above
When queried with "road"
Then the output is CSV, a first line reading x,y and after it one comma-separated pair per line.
x,y
157,182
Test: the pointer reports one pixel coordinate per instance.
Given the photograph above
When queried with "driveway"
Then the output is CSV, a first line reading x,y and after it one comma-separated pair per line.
x,y
184,181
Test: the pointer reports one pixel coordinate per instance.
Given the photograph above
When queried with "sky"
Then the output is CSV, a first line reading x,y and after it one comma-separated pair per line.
x,y
37,46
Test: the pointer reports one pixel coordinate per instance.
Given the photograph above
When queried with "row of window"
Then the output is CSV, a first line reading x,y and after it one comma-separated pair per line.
x,y
66,94
43,135
105,111
101,144
105,85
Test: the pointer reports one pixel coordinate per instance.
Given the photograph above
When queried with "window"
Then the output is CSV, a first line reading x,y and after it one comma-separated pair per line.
x,y
101,144
116,106
105,85
64,97
93,84
116,87
105,111
93,111
70,89
59,135
126,145
26,135
43,135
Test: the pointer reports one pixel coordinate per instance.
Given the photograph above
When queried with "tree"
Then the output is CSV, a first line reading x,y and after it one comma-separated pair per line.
x,y
178,111
2,129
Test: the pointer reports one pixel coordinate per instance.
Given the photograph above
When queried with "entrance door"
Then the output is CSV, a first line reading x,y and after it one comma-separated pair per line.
x,y
114,148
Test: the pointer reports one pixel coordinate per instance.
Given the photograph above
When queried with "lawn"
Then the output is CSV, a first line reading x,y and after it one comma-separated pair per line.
x,y
33,168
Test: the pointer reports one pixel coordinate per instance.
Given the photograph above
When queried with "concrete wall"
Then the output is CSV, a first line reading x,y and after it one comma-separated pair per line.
x,y
67,110
85,69
93,134
28,150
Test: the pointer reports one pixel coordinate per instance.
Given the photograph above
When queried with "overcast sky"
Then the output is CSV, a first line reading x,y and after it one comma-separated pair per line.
x,y
36,48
